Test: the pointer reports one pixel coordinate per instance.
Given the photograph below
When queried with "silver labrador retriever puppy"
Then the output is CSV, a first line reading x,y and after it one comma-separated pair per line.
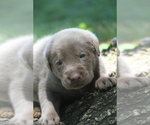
x,y
65,66
16,78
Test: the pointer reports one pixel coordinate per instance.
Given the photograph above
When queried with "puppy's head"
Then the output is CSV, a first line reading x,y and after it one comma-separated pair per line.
x,y
72,55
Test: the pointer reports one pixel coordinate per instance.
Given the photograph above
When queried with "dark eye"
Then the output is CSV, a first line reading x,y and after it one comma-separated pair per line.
x,y
82,55
59,63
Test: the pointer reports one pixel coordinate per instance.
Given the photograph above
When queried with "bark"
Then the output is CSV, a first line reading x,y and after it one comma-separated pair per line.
x,y
97,108
133,106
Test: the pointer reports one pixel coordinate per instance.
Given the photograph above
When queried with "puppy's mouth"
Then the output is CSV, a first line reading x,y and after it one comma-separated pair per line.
x,y
77,79
76,85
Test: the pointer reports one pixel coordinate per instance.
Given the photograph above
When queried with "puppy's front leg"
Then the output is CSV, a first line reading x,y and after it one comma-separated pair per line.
x,y
49,102
104,81
23,107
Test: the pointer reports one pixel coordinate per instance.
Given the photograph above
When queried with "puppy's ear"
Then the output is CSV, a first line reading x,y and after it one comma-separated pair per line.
x,y
47,59
46,55
95,46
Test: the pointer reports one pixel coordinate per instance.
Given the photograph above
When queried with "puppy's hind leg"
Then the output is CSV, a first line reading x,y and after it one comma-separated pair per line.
x,y
104,81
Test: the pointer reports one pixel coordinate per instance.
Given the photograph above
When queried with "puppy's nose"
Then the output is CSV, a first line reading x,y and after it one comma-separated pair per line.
x,y
74,76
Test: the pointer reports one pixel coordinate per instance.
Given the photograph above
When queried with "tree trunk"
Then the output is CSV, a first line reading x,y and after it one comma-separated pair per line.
x,y
133,106
97,108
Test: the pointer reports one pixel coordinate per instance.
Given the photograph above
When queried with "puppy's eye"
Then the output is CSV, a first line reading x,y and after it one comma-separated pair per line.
x,y
82,55
59,63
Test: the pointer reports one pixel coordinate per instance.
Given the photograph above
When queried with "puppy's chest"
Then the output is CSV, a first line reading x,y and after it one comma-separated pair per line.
x,y
72,94
66,93
55,85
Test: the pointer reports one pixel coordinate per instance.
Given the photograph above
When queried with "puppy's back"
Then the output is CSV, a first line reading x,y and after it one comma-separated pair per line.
x,y
11,67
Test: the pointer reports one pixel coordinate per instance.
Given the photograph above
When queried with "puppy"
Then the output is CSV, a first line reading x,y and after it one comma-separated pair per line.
x,y
66,65
16,78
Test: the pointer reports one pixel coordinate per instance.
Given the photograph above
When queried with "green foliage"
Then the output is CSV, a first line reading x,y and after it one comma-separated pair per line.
x,y
84,26
104,46
133,21
125,46
98,16
16,18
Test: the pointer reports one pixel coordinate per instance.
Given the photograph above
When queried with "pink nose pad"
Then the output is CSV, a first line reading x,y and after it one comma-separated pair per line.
x,y
74,77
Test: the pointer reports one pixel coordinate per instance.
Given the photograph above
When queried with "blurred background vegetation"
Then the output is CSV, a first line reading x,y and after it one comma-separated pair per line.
x,y
128,20
133,20
98,16
16,18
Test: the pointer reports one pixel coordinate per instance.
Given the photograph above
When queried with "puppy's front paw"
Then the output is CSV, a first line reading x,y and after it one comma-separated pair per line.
x,y
49,119
132,82
22,119
105,82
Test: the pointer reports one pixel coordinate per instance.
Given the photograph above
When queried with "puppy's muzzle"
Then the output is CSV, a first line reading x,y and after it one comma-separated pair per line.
x,y
74,79
74,76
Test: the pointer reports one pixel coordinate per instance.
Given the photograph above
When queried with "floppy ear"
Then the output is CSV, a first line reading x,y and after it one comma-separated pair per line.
x,y
95,46
47,55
